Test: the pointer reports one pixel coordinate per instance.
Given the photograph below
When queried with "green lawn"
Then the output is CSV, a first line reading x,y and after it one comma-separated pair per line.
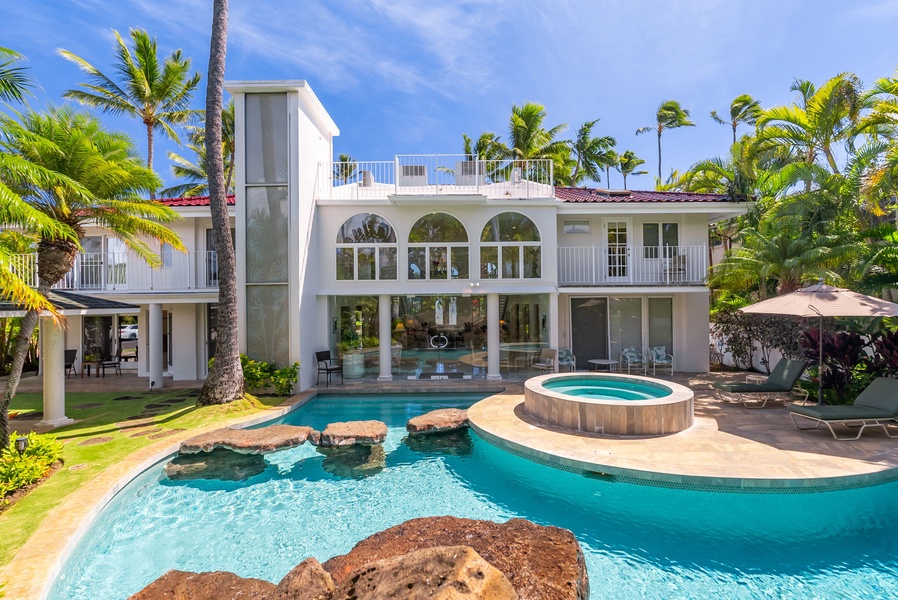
x,y
118,420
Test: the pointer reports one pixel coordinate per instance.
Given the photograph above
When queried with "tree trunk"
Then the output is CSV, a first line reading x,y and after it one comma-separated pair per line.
x,y
29,322
225,380
659,153
150,154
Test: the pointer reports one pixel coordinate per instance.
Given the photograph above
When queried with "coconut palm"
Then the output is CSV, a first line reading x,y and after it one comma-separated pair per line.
x,y
743,109
15,83
487,147
224,382
345,168
195,171
612,162
627,163
670,115
590,153
157,93
108,181
529,140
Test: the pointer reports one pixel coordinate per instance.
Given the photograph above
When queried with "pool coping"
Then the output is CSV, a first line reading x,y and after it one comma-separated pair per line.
x,y
36,565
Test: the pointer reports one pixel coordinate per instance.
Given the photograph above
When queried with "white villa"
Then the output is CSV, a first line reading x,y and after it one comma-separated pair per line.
x,y
418,266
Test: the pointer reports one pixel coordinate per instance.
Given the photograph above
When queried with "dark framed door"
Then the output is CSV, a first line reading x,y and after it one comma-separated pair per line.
x,y
589,329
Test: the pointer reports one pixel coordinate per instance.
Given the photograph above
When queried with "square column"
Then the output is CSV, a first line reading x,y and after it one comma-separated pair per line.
x,y
155,346
53,372
492,337
384,333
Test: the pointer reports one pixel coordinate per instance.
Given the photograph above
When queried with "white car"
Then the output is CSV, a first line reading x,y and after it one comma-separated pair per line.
x,y
128,332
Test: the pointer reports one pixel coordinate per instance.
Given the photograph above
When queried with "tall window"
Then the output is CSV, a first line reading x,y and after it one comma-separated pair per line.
x,y
438,248
366,248
660,239
510,248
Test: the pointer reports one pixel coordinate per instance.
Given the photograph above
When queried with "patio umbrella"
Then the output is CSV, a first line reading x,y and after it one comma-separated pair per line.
x,y
821,300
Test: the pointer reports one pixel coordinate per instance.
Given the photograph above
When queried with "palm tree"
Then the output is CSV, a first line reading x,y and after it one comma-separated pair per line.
x,y
627,164
105,181
675,182
345,168
670,115
612,162
591,153
487,147
743,109
195,172
224,382
15,83
529,140
159,97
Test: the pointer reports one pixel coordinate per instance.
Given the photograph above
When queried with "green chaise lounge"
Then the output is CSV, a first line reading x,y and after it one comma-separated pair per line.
x,y
780,381
874,407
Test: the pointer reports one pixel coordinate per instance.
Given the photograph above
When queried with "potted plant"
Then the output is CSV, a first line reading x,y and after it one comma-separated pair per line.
x,y
353,358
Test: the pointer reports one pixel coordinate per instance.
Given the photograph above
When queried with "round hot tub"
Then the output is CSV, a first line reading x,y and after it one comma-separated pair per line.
x,y
609,403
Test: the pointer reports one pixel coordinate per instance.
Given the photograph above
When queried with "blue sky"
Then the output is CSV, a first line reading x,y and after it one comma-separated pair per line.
x,y
410,76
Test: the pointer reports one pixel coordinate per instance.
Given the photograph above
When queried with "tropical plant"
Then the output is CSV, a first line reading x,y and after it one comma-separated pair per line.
x,y
613,161
15,83
157,93
743,109
224,383
591,154
843,360
675,182
528,139
105,182
195,172
18,471
487,147
670,115
345,168
627,163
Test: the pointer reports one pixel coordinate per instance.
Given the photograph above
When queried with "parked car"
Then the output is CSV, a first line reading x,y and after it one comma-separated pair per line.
x,y
128,332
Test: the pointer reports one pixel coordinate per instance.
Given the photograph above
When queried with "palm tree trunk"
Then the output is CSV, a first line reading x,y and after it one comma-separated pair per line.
x,y
26,330
150,154
608,177
734,132
225,380
625,179
659,153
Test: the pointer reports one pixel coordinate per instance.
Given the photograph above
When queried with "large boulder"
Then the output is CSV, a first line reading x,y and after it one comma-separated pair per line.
x,y
221,465
437,421
540,562
442,573
307,581
348,433
353,462
218,585
248,441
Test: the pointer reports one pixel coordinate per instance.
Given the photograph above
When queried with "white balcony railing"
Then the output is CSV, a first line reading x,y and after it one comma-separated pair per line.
x,y
436,175
632,265
126,272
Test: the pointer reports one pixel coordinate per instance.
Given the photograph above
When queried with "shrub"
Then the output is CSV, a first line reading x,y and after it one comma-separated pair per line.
x,y
256,373
284,379
844,360
17,471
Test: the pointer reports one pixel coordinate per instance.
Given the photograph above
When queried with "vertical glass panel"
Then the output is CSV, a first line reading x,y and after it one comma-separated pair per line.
x,y
661,323
489,262
98,337
650,240
266,235
671,234
345,264
417,267
266,138
438,260
459,263
511,262
366,263
387,263
532,262
267,323
625,325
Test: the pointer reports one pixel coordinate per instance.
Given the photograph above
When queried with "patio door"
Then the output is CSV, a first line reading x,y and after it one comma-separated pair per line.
x,y
589,330
617,240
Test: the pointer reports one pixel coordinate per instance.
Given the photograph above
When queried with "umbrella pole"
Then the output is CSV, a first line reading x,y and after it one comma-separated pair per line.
x,y
820,363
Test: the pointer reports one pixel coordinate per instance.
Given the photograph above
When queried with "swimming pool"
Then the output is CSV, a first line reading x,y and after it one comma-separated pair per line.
x,y
639,541
603,387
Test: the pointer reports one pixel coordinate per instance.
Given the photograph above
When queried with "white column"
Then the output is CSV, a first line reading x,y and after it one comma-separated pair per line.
x,y
384,332
492,336
53,359
553,320
155,346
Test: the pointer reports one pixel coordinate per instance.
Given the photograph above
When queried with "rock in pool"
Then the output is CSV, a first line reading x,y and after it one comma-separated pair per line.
x,y
248,441
438,421
348,433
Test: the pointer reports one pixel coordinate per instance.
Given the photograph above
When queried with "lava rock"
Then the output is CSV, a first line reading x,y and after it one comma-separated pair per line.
x,y
348,433
217,585
221,465
248,441
437,421
353,462
452,443
307,581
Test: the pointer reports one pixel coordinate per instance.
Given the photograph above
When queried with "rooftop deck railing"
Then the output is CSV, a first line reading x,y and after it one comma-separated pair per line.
x,y
436,175
632,265
127,272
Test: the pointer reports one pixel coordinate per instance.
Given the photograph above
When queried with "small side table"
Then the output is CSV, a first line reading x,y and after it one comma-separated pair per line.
x,y
602,362
756,378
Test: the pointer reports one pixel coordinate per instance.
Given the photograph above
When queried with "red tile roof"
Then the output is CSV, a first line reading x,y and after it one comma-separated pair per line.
x,y
569,194
192,201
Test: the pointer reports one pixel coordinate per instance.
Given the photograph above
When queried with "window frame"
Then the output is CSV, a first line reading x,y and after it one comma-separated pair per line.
x,y
375,247
499,248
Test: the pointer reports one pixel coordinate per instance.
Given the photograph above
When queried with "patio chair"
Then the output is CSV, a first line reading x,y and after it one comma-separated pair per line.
x,y
546,360
328,366
566,359
876,406
658,356
631,358
70,356
111,363
779,385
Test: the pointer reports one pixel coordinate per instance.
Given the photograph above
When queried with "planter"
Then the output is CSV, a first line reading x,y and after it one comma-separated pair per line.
x,y
353,365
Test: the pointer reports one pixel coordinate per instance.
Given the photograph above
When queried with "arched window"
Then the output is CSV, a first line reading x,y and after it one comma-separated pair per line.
x,y
510,248
366,248
438,248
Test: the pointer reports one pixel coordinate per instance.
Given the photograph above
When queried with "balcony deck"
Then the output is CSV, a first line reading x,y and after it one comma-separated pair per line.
x,y
632,265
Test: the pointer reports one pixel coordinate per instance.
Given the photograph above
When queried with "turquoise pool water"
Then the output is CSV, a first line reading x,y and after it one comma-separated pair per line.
x,y
639,541
601,387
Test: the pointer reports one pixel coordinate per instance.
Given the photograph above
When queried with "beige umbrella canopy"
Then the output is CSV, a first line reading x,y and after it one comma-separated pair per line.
x,y
821,300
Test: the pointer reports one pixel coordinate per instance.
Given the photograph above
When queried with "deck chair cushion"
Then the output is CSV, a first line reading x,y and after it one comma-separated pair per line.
x,y
882,394
659,354
841,413
748,388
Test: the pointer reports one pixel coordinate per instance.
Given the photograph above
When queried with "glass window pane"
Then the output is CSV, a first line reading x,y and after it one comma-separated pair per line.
x,y
625,325
266,235
366,263
345,263
650,240
510,227
438,259
266,138
459,263
489,262
438,227
387,263
671,234
661,323
417,269
366,228
532,262
267,321
511,262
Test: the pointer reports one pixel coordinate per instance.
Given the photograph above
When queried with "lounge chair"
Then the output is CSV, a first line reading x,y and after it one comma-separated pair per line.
x,y
876,406
566,359
546,360
779,385
658,357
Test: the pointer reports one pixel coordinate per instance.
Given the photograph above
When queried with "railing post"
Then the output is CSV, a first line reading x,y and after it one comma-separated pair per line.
x,y
396,173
